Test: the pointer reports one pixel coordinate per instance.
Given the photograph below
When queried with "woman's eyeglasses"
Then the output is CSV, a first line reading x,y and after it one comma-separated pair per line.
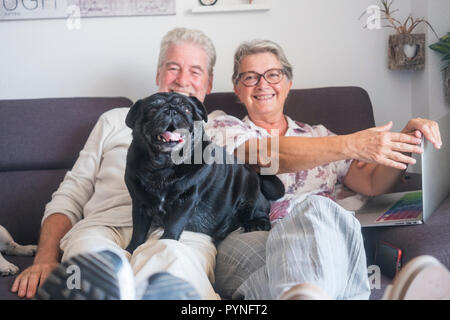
x,y
252,78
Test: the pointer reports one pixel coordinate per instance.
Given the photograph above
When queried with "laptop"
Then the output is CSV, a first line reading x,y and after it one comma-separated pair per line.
x,y
414,207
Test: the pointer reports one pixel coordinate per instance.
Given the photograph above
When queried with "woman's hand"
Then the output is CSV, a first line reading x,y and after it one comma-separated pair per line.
x,y
416,127
379,145
429,128
27,282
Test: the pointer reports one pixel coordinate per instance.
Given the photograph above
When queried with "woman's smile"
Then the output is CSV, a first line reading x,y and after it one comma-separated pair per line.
x,y
264,97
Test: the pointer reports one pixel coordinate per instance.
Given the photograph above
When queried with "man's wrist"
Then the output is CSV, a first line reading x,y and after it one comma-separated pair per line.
x,y
44,256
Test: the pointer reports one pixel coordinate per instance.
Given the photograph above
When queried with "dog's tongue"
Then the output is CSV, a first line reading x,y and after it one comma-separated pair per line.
x,y
172,136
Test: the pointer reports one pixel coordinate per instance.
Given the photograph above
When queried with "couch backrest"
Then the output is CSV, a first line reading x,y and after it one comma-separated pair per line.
x,y
341,109
40,139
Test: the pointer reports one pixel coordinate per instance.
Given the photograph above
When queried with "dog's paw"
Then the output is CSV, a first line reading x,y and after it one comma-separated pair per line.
x,y
257,225
15,249
29,250
8,269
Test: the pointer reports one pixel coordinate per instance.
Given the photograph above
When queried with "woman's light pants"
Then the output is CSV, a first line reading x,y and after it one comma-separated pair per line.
x,y
319,242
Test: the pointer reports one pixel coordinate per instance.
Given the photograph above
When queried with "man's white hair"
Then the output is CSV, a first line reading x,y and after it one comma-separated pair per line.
x,y
197,37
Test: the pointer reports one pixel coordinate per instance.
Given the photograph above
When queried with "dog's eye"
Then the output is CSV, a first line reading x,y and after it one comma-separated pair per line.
x,y
187,110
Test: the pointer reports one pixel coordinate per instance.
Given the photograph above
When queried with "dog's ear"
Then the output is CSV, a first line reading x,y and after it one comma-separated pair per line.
x,y
133,114
199,111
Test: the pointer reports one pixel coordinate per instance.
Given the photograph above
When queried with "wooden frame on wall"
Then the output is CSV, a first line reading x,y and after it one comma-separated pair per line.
x,y
61,9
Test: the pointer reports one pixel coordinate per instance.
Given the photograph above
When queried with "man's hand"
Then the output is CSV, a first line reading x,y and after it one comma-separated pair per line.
x,y
47,256
26,283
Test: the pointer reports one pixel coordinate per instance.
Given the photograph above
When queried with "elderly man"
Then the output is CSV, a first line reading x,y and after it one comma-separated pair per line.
x,y
91,210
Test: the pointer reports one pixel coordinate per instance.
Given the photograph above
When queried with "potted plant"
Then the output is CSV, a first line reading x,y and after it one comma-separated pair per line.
x,y
443,47
406,49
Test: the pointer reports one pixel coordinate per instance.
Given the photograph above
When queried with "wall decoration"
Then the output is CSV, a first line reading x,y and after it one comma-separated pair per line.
x,y
406,49
208,2
54,9
221,6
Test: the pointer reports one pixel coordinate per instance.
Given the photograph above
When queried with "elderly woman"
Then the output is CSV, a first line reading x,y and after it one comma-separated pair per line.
x,y
315,247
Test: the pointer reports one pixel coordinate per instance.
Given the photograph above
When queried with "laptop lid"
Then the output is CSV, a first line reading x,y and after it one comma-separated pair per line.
x,y
436,170
435,188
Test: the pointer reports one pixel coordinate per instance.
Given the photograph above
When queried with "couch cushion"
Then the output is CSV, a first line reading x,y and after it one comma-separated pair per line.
x,y
23,198
7,282
40,140
48,133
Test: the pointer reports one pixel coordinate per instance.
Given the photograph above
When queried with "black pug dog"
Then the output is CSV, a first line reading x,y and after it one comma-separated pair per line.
x,y
214,199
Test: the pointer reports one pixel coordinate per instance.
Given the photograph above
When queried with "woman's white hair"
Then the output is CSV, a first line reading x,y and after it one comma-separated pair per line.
x,y
197,37
260,46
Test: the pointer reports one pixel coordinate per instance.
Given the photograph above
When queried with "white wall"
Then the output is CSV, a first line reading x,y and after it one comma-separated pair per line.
x,y
323,39
427,86
440,14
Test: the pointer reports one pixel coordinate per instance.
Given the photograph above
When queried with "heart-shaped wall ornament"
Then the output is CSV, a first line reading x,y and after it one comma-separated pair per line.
x,y
410,51
406,51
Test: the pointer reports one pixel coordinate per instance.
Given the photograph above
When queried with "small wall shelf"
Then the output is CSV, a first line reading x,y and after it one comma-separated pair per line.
x,y
231,8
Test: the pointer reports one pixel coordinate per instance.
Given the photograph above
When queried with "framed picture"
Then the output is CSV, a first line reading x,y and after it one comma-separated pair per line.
x,y
54,9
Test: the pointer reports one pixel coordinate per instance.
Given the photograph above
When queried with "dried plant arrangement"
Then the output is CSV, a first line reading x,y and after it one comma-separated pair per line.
x,y
406,49
407,27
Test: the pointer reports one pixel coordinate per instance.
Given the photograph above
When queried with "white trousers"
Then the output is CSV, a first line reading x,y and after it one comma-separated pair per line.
x,y
191,258
318,242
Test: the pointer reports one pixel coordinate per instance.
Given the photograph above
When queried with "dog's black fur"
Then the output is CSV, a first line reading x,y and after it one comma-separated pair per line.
x,y
214,199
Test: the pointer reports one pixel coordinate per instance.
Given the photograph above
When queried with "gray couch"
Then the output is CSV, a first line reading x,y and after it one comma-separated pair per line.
x,y
40,140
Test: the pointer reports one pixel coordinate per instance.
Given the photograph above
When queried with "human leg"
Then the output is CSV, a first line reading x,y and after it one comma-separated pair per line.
x,y
165,286
191,258
305,291
81,247
83,238
239,255
107,275
319,243
103,275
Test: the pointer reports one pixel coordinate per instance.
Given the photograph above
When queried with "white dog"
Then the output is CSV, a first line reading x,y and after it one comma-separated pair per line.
x,y
10,247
